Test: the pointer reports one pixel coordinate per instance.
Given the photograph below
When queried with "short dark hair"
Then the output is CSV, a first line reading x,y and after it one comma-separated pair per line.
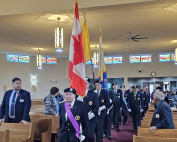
x,y
54,90
15,79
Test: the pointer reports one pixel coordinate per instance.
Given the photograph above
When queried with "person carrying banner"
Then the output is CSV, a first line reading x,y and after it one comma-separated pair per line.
x,y
73,119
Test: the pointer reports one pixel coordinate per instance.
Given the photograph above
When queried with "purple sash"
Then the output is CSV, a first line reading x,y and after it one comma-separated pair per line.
x,y
72,119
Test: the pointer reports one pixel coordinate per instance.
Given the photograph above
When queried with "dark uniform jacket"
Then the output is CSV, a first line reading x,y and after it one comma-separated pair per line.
x,y
144,98
103,100
126,99
22,106
67,130
111,105
135,101
92,104
148,97
162,117
118,99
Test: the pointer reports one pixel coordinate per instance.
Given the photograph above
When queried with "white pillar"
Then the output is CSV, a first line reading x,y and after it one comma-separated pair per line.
x,y
126,82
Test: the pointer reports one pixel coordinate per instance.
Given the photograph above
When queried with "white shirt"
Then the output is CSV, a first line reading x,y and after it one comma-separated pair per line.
x,y
123,93
72,104
86,92
115,91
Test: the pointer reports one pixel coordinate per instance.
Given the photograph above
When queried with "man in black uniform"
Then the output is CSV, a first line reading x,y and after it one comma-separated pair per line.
x,y
103,98
92,106
135,101
117,93
148,98
124,103
108,118
129,91
144,102
73,119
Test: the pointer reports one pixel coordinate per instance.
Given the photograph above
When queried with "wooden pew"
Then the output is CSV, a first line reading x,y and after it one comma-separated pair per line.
x,y
147,125
4,136
42,129
19,132
148,120
37,102
151,139
55,121
162,133
150,116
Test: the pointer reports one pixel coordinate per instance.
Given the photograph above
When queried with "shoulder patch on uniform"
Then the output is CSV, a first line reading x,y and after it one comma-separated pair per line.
x,y
90,103
77,117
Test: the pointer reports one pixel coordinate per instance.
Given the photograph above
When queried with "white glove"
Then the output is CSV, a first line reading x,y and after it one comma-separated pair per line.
x,y
80,99
121,109
101,108
129,110
82,137
91,115
110,101
149,104
141,110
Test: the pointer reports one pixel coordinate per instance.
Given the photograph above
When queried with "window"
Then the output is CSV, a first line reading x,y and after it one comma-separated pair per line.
x,y
117,60
51,60
164,58
108,60
24,59
134,59
44,60
12,58
172,57
89,62
146,58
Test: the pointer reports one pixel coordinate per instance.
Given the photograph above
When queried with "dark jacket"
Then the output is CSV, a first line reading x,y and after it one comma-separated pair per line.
x,y
110,107
60,98
103,100
135,101
22,108
50,107
148,97
118,99
126,99
144,98
162,117
92,104
67,130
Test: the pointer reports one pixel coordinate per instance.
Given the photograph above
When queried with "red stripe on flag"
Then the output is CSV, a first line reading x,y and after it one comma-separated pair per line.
x,y
76,10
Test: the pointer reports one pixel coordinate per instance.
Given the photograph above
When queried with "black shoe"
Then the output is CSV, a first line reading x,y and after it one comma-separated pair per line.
x,y
113,128
109,137
118,130
134,130
124,123
104,136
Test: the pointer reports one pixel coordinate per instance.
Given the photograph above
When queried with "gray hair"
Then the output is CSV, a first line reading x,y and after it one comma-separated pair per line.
x,y
159,95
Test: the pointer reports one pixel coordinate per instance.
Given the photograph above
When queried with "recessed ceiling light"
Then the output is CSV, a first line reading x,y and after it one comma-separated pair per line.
x,y
36,48
173,41
97,46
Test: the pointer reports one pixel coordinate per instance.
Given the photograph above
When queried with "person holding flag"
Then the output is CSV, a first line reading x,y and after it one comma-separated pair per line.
x,y
73,115
102,91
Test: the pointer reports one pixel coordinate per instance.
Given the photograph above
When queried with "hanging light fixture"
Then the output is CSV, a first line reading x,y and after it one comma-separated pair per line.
x,y
176,56
59,38
39,60
96,58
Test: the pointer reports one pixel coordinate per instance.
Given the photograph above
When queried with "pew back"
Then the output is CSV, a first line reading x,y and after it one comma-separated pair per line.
x,y
4,136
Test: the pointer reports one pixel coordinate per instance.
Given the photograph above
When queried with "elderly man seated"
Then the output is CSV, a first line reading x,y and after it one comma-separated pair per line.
x,y
162,117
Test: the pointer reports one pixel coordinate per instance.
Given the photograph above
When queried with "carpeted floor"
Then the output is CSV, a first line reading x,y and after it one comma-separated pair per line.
x,y
125,134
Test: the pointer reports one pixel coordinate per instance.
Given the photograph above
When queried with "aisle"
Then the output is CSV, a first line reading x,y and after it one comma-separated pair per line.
x,y
125,134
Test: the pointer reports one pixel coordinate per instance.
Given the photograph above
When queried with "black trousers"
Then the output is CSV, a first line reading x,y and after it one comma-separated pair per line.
x,y
117,117
124,114
99,129
136,118
107,124
90,134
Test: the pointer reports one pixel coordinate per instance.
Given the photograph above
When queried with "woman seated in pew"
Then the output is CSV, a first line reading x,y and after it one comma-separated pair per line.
x,y
173,99
51,103
162,117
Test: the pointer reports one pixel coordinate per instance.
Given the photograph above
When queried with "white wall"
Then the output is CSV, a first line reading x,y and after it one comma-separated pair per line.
x,y
9,70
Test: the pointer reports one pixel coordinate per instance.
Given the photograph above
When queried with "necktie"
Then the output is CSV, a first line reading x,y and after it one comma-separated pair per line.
x,y
13,104
98,92
115,92
70,106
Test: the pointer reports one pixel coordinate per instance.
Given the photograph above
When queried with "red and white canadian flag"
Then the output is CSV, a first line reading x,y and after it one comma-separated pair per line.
x,y
76,71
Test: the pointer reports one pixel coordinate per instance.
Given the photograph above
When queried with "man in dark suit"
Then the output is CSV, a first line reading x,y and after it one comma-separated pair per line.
x,y
124,103
129,91
103,98
117,93
162,117
73,118
135,105
92,106
16,104
144,102
148,98
108,118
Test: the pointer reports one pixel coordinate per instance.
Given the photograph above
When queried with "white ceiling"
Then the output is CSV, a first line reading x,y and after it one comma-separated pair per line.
x,y
20,32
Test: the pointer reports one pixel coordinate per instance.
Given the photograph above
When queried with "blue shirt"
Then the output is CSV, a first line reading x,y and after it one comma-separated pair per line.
x,y
57,104
10,102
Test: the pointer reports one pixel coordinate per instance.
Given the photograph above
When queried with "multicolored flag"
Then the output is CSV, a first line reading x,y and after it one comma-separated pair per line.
x,y
76,71
102,67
